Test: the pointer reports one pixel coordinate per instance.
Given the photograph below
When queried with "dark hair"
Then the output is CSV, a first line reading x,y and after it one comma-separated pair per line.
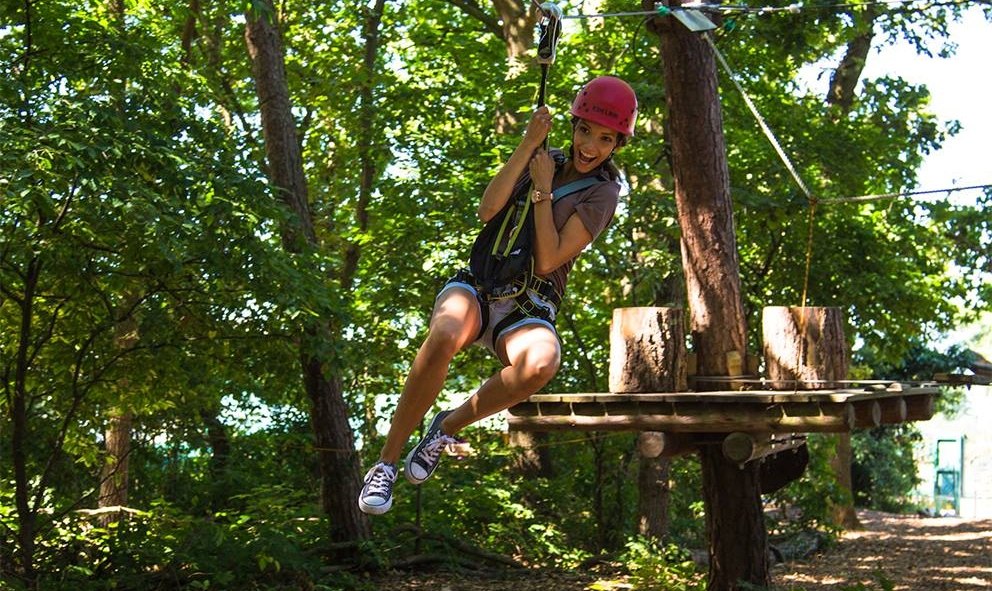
x,y
608,166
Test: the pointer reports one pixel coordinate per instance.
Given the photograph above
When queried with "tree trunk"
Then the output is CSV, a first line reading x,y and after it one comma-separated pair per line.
x,y
531,458
805,349
648,354
738,546
845,78
653,491
338,460
114,475
738,543
26,515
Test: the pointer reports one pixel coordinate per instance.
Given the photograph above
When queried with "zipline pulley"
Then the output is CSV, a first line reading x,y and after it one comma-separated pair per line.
x,y
550,31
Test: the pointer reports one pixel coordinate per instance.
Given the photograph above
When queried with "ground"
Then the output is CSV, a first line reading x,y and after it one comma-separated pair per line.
x,y
907,552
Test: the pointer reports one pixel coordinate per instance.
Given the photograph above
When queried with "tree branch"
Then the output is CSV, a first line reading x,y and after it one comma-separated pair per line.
x,y
472,8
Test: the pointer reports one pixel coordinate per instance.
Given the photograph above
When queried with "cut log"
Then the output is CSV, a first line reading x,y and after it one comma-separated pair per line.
x,y
647,350
741,448
893,410
654,444
920,408
868,414
804,348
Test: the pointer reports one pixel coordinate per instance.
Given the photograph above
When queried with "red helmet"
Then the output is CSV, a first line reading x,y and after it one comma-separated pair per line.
x,y
608,101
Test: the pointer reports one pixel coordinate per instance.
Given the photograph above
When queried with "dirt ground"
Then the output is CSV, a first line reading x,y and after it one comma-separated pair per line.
x,y
910,553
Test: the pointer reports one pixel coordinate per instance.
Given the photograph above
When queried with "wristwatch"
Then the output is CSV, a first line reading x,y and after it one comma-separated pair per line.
x,y
538,196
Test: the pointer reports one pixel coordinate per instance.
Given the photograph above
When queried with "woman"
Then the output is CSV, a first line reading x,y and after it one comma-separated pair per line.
x,y
522,337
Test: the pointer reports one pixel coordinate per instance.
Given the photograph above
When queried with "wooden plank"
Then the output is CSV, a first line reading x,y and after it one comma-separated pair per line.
x,y
747,396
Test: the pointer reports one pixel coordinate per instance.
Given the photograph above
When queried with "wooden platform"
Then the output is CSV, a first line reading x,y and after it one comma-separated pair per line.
x,y
750,411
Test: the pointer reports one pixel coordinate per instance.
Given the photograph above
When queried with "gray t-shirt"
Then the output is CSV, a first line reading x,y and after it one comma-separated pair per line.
x,y
595,207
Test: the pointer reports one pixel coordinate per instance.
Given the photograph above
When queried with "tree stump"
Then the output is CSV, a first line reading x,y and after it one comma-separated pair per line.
x,y
647,350
805,349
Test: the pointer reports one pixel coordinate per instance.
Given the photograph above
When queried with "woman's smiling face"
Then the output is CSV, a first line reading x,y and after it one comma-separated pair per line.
x,y
592,144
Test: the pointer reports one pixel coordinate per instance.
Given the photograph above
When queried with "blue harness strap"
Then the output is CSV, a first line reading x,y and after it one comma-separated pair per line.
x,y
572,187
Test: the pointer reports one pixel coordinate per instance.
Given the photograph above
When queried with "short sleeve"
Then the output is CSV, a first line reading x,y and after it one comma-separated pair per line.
x,y
597,206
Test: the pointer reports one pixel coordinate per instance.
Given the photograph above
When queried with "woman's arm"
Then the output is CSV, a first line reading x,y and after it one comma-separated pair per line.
x,y
552,247
501,187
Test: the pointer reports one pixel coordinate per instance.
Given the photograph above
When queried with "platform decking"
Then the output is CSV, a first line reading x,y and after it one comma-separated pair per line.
x,y
750,411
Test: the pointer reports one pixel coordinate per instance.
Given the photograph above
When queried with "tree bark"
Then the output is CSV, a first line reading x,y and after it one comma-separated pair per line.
x,y
26,515
804,348
735,524
845,78
338,460
114,477
647,350
653,491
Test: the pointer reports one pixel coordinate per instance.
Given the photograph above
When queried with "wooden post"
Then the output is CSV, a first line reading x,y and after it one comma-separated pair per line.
x,y
805,349
648,355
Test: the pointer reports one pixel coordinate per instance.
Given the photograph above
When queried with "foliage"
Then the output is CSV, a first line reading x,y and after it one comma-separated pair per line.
x,y
141,269
806,503
884,469
265,545
656,568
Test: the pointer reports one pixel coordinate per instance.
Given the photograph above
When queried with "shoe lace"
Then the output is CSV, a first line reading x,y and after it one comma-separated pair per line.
x,y
432,449
380,481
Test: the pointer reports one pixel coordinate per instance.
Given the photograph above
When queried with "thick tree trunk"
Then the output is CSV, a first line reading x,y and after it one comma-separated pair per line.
x,y
653,491
805,349
738,546
738,542
338,460
648,354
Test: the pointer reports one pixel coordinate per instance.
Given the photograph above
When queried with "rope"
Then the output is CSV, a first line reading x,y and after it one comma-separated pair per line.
x,y
863,198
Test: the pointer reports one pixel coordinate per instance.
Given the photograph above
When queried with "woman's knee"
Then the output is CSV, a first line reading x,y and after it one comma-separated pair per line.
x,y
539,367
444,341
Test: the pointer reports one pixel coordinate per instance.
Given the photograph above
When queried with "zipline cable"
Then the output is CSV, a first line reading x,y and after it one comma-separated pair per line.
x,y
761,121
794,8
811,220
864,198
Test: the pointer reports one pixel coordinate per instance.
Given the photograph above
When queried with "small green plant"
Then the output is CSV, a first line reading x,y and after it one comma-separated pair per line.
x,y
654,567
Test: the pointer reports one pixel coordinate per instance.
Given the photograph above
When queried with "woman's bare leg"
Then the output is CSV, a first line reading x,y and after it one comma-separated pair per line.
x,y
532,354
455,323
